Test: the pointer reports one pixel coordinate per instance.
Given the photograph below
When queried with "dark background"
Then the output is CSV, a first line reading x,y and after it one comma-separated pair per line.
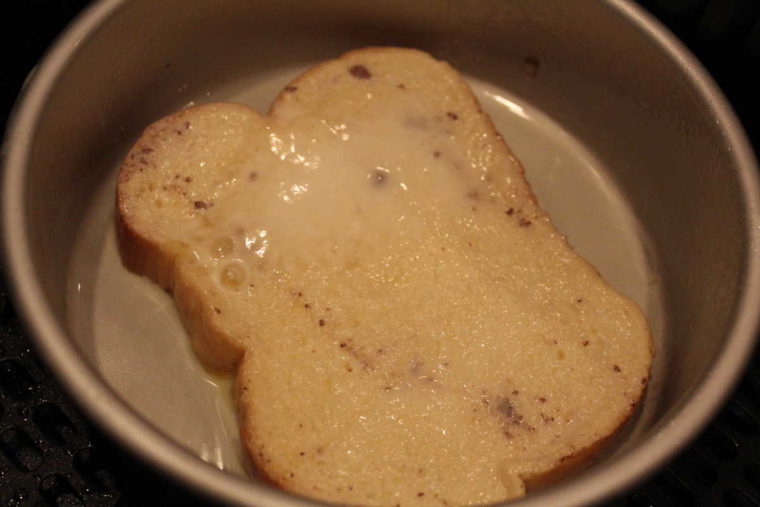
x,y
50,455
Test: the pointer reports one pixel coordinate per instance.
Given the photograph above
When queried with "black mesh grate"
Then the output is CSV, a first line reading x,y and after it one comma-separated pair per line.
x,y
51,455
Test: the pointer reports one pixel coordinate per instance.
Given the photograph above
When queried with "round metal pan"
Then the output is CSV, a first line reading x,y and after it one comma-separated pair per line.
x,y
603,72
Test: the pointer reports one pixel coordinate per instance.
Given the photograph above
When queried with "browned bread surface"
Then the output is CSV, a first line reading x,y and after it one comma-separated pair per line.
x,y
405,324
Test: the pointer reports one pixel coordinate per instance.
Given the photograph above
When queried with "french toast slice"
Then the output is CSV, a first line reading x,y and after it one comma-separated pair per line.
x,y
405,325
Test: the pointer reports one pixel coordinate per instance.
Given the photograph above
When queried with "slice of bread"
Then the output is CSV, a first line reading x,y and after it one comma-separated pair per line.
x,y
405,324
